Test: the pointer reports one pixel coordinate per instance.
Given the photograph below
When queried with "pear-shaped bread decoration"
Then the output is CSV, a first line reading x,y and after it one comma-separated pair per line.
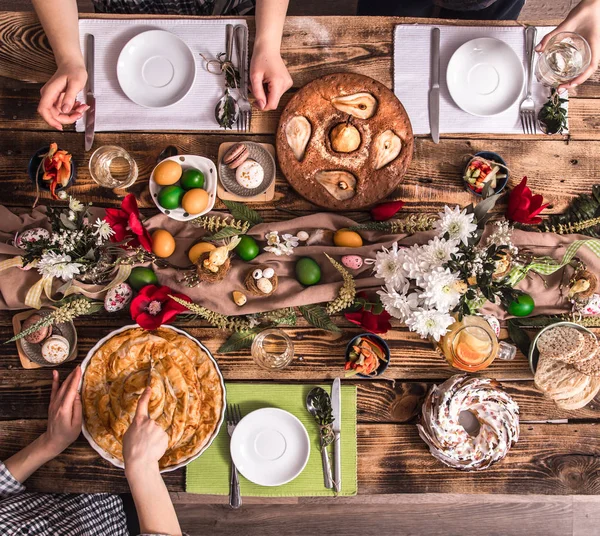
x,y
362,105
340,184
387,147
297,133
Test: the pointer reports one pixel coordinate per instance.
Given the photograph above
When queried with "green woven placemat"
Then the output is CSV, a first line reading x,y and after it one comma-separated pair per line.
x,y
209,474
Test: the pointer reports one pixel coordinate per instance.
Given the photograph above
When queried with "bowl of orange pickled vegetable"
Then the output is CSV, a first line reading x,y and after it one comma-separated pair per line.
x,y
367,356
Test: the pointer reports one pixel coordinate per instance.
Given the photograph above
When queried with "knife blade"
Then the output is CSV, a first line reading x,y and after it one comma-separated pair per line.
x,y
434,92
90,99
336,405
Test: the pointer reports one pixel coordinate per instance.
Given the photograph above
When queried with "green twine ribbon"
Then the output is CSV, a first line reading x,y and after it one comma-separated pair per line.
x,y
547,266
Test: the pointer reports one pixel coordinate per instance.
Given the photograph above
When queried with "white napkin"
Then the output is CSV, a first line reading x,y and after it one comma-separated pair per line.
x,y
412,65
115,112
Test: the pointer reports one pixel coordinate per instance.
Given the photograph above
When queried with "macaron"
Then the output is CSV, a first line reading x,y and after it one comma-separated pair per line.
x,y
39,335
56,349
250,174
236,155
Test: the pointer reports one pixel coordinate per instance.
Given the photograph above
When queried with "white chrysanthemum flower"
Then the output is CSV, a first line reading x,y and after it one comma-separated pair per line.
x,y
438,251
58,265
388,266
75,205
398,303
103,229
430,323
441,290
413,265
457,223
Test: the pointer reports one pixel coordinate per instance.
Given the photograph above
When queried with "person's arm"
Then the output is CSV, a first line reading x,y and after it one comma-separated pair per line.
x,y
584,19
267,70
64,426
144,444
58,106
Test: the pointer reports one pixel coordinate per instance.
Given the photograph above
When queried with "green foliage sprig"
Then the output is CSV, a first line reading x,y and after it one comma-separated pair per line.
x,y
408,225
582,216
235,323
346,294
218,223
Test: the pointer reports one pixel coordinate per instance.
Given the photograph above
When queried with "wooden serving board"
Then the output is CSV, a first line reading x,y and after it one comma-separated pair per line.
x,y
226,195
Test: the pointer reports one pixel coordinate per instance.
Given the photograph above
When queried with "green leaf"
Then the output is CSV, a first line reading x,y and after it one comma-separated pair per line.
x,y
316,316
240,211
239,340
226,232
483,207
519,337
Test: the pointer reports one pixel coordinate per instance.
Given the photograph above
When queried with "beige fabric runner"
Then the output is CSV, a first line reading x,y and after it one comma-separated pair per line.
x,y
15,282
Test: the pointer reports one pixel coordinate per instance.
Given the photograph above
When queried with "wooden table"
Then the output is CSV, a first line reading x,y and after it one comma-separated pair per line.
x,y
550,458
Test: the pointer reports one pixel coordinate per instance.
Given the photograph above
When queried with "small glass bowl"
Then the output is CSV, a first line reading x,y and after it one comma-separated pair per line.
x,y
272,349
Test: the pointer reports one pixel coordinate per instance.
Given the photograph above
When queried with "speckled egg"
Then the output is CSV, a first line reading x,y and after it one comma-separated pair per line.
x,y
593,305
31,235
118,297
353,262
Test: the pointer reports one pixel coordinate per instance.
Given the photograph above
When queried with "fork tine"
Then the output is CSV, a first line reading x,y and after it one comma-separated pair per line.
x,y
522,116
533,123
227,413
238,414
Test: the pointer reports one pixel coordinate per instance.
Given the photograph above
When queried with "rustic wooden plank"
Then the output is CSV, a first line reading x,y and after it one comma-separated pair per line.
x,y
549,459
457,515
378,401
319,355
555,169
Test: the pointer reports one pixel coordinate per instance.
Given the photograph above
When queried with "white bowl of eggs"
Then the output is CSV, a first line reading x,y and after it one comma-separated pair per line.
x,y
184,186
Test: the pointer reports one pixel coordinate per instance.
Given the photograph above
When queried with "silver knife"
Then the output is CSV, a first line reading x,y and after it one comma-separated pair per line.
x,y
336,404
434,92
90,99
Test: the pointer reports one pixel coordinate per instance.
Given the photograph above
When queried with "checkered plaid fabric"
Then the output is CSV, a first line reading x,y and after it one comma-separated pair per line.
x,y
175,7
63,514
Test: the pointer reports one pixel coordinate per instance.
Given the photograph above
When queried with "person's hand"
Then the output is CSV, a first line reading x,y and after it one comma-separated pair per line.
x,y
64,413
145,442
268,70
584,20
58,105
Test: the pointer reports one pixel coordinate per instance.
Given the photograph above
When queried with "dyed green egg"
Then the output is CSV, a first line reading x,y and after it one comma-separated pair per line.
x,y
192,178
308,271
522,306
247,249
170,197
141,276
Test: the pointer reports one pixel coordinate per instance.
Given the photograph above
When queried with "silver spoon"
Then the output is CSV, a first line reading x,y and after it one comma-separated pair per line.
x,y
311,399
226,110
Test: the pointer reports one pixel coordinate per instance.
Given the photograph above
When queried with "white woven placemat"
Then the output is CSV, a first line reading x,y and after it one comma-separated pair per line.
x,y
115,112
412,65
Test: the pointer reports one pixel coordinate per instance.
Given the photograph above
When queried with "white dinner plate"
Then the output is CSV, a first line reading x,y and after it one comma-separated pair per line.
x,y
485,77
156,69
270,447
109,457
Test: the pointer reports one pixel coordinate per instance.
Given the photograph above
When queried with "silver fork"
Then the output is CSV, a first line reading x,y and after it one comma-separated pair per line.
x,y
527,109
233,416
241,47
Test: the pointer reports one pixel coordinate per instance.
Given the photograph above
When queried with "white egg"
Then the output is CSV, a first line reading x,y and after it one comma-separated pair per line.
x,y
264,285
302,236
268,273
118,297
257,274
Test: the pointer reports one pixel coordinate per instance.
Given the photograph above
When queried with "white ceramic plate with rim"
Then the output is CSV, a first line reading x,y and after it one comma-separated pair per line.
x,y
485,77
109,457
270,447
156,69
188,161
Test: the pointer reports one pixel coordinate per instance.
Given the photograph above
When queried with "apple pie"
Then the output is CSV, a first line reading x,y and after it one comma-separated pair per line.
x,y
187,394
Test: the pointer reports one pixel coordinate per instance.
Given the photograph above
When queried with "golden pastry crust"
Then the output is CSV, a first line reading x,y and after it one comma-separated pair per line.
x,y
314,102
187,396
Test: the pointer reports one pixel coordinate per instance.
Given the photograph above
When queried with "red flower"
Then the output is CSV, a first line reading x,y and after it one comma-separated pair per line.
x,y
384,211
153,307
127,225
523,206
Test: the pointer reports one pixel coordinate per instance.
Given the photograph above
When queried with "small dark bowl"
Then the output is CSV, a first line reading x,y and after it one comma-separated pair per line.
x,y
495,157
36,176
383,365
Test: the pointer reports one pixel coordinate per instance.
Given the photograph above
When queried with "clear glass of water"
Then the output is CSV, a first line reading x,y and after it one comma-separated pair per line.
x,y
272,349
113,167
565,57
